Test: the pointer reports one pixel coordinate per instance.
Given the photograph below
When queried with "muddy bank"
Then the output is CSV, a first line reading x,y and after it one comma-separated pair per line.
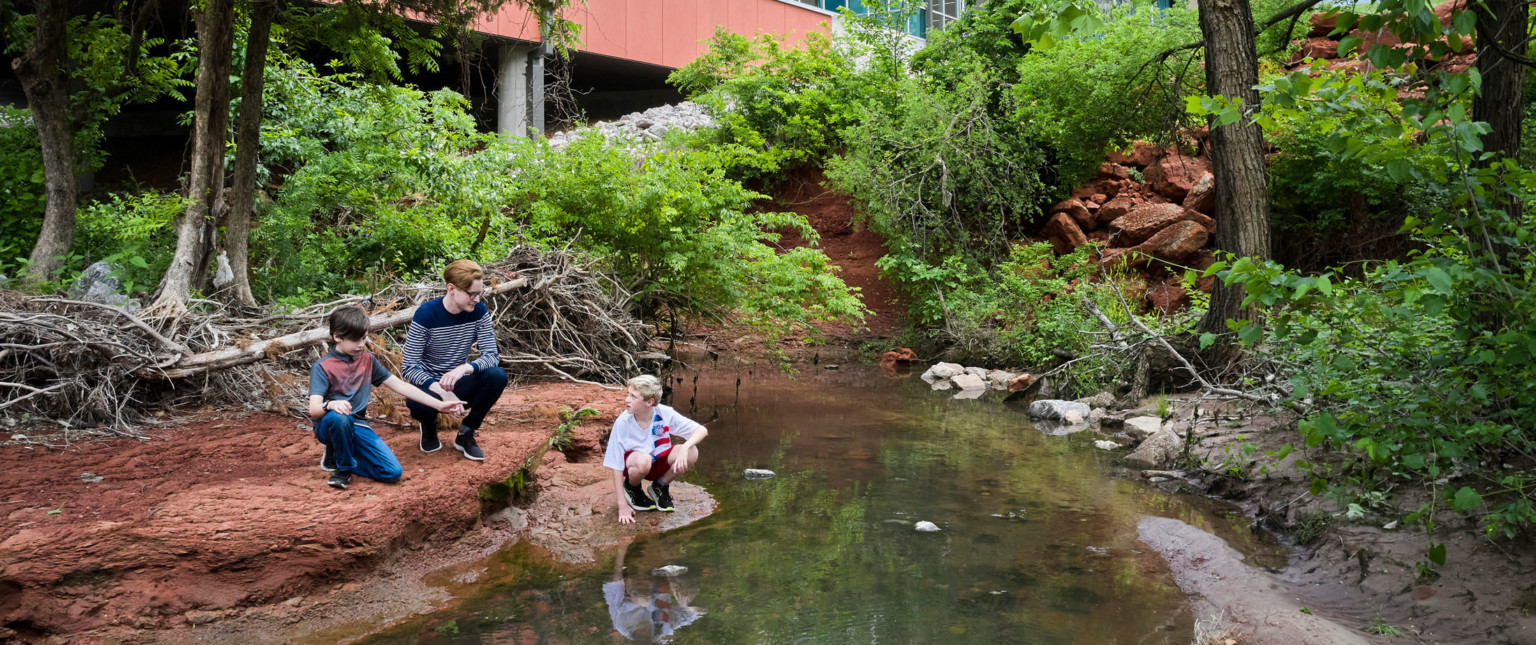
x,y
229,511
1356,573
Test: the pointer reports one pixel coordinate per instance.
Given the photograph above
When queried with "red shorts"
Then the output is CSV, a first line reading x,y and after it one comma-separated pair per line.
x,y
659,465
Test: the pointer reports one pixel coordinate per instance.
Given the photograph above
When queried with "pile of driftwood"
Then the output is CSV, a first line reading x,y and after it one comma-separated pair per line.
x,y
98,368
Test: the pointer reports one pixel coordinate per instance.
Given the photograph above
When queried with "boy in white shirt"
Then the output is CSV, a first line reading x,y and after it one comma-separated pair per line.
x,y
643,450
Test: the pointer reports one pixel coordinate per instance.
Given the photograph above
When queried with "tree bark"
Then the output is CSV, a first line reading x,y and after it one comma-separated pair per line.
x,y
248,144
194,232
1501,24
41,70
1237,150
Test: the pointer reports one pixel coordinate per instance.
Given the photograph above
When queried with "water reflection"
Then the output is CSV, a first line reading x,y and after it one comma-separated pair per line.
x,y
1038,541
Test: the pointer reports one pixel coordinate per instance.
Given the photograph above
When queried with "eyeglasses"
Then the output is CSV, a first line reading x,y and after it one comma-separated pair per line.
x,y
475,295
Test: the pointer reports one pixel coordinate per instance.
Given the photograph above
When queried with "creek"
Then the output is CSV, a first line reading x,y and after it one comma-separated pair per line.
x,y
1037,542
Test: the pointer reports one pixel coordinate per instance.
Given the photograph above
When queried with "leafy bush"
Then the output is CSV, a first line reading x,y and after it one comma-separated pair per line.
x,y
21,186
133,230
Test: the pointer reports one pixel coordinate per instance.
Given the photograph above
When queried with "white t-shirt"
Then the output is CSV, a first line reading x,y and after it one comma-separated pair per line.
x,y
655,438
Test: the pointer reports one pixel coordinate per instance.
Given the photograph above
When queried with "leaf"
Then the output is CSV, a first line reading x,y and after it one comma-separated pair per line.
x,y
55,511
1348,44
1324,286
1399,169
1436,554
1211,270
1207,339
1464,22
1438,279
1318,486
1250,334
1285,451
1466,499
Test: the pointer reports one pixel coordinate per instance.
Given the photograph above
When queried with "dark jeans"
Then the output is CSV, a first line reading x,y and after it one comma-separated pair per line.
x,y
356,448
479,391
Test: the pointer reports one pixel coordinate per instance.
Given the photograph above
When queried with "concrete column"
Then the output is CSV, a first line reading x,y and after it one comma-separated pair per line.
x,y
520,95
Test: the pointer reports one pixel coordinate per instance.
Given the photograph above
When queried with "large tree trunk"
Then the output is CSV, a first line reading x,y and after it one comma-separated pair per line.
x,y
194,232
1237,150
1501,24
41,71
248,143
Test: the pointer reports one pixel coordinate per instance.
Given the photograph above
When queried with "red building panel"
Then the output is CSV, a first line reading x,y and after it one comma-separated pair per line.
x,y
664,32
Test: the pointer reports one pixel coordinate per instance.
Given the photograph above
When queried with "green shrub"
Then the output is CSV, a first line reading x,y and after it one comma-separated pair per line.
x,y
21,186
133,230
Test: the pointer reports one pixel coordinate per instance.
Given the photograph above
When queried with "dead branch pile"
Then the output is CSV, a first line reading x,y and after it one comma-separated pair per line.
x,y
90,366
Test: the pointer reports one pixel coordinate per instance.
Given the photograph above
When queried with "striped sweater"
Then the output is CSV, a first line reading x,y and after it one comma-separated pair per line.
x,y
438,341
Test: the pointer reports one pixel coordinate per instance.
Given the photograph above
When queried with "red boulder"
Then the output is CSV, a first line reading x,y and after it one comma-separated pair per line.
x,y
1146,220
1202,197
1063,233
1076,210
1175,175
1114,208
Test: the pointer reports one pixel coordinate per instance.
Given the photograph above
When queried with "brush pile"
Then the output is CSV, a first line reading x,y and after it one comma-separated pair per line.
x,y
97,369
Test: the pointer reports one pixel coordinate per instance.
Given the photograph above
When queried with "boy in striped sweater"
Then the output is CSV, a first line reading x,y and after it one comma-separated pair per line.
x,y
436,357
640,448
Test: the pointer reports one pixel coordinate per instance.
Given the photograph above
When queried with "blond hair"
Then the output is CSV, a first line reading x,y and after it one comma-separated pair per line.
x,y
647,386
463,273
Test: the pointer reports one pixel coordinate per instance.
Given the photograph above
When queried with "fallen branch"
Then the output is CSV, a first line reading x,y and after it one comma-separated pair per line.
x,y
232,356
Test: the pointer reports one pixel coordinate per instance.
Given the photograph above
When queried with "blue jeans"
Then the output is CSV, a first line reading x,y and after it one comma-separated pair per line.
x,y
478,391
357,448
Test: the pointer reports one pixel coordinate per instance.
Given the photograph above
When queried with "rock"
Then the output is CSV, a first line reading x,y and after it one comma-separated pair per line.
x,y
1202,197
1322,24
1105,444
1072,417
1147,220
1156,451
1076,210
980,372
99,284
1115,208
1178,243
5,282
940,371
757,473
1175,175
927,527
1167,298
1063,233
1142,427
899,356
199,617
1020,383
968,381
1141,155
1171,474
1112,170
669,570
999,379
966,395
942,385
1056,409
512,516
1100,400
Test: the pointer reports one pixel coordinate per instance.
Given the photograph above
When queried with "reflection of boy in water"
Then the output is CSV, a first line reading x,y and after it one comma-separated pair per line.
x,y
657,607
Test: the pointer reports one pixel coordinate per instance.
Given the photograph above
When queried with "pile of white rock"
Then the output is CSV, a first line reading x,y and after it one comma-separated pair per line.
x,y
944,376
650,125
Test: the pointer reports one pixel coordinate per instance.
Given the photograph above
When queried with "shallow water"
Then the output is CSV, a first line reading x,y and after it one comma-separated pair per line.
x,y
1038,540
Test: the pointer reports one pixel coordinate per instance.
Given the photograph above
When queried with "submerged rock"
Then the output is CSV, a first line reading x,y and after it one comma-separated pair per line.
x,y
1143,427
758,473
1104,444
999,379
927,527
1056,409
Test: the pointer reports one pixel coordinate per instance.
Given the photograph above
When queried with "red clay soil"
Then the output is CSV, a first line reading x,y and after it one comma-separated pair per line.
x,y
853,250
232,510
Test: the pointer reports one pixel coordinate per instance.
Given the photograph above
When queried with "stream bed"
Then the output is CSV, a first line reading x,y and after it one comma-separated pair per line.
x,y
1037,539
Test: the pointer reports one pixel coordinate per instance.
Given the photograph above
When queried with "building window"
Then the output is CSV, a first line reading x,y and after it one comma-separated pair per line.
x,y
943,12
923,15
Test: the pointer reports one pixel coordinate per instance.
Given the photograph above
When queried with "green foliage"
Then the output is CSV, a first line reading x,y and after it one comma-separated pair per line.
x,y
942,174
1090,93
133,230
564,438
776,107
21,185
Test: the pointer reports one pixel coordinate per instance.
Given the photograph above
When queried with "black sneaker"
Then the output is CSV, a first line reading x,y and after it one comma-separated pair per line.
x,y
340,480
663,495
638,500
328,460
429,440
465,443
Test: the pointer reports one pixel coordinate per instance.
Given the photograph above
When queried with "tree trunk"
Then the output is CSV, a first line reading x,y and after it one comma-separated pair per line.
x,y
194,232
1501,103
1237,150
41,71
248,143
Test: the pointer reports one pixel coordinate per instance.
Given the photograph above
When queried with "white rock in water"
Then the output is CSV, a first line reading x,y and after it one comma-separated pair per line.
x,y
1055,409
927,527
968,382
758,473
670,570
1143,427
1106,445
